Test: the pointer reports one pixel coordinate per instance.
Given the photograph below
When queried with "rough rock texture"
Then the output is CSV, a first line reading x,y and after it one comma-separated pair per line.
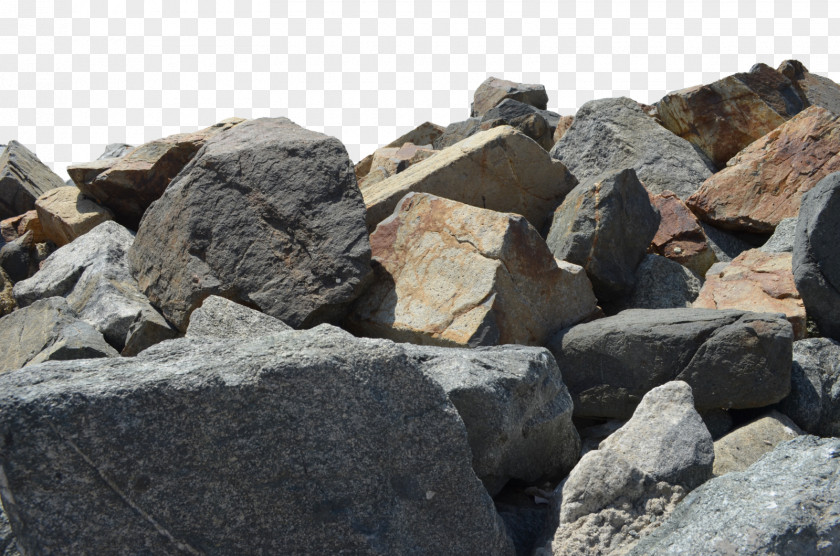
x,y
116,150
23,178
680,236
756,281
86,172
731,359
605,227
724,117
7,300
14,227
453,274
745,445
816,254
457,131
782,239
21,258
610,135
179,451
537,124
763,184
48,330
636,476
222,318
725,245
129,185
517,411
66,213
494,90
662,284
93,274
500,169
424,134
389,161
299,251
814,400
786,503
814,89
563,126
8,545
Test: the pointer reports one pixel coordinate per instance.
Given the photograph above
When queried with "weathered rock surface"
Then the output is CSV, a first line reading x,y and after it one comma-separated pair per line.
x,y
814,400
563,125
456,132
725,245
21,258
389,161
7,300
299,251
680,236
756,281
115,150
537,124
782,239
500,169
16,226
745,445
8,545
66,213
448,273
605,227
610,135
725,116
222,318
48,330
662,284
494,90
23,178
129,185
731,359
816,254
763,184
92,273
179,450
424,134
786,503
814,89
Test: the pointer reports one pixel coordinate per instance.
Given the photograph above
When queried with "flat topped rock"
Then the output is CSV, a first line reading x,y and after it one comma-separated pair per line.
x,y
66,214
222,318
23,178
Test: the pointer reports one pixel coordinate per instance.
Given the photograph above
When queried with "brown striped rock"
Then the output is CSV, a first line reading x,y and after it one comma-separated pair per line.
x,y
763,184
759,282
452,274
680,236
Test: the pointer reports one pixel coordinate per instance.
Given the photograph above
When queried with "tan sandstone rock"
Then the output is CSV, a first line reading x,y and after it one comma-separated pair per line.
x,y
680,236
764,183
14,227
499,169
424,134
448,273
745,445
562,127
756,281
66,213
389,161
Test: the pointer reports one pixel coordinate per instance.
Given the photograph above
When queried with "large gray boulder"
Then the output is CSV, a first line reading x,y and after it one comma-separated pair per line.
x,y
611,134
48,330
606,227
292,242
786,503
726,246
814,400
816,254
222,318
494,90
300,442
92,273
731,359
663,284
23,178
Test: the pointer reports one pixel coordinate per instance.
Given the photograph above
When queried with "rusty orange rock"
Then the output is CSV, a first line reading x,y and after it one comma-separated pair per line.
x,y
763,184
680,236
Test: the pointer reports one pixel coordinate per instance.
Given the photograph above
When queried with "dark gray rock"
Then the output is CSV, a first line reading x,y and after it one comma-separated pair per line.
x,y
812,88
731,359
457,131
301,442
816,254
537,124
115,150
605,227
725,245
8,546
222,318
92,273
814,400
292,242
663,284
16,258
786,503
609,135
23,178
510,109
782,239
494,90
48,330
517,411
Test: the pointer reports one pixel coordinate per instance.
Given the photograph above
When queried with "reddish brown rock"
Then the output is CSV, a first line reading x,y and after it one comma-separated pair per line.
x,y
128,185
424,134
562,127
756,281
814,89
494,90
448,273
680,236
763,184
66,214
14,227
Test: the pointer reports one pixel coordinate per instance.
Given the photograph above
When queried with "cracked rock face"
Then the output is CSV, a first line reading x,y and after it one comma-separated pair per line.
x,y
452,274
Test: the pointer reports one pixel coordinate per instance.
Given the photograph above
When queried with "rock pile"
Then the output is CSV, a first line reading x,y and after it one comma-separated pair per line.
x,y
613,332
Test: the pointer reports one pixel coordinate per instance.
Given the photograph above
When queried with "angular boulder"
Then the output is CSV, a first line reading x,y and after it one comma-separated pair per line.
x,y
731,359
759,282
610,135
128,185
299,251
424,134
222,318
814,89
452,274
16,226
680,236
662,284
23,178
745,445
764,183
389,161
786,503
456,132
605,227
66,214
537,124
179,450
494,90
814,400
500,169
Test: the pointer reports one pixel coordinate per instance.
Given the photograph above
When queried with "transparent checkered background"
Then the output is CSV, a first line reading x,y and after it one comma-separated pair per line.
x,y
76,75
